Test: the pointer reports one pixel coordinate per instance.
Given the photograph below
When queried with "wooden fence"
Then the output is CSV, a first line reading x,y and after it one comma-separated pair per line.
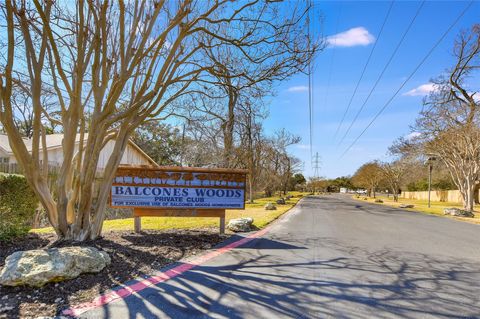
x,y
15,168
452,196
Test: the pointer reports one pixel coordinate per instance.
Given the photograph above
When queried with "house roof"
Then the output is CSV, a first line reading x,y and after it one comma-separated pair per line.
x,y
4,144
55,141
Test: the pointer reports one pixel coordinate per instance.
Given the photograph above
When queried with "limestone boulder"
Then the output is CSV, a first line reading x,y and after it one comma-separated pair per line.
x,y
240,224
38,267
378,201
458,212
281,201
270,206
406,206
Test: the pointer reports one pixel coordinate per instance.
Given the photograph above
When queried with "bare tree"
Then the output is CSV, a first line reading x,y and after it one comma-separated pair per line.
x,y
241,77
277,165
393,174
252,146
415,177
112,66
450,121
288,164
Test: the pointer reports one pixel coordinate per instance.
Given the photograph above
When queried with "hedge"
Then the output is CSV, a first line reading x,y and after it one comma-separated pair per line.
x,y
17,206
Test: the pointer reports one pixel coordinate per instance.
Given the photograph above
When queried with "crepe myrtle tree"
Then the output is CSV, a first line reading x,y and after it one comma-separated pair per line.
x,y
393,173
112,65
448,127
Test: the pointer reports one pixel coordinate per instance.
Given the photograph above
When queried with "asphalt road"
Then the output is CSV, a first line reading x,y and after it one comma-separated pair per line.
x,y
330,257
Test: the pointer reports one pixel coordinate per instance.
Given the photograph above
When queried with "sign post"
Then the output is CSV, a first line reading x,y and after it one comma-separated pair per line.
x,y
178,192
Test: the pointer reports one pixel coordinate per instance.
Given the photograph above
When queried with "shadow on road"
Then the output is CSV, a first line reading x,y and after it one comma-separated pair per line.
x,y
405,284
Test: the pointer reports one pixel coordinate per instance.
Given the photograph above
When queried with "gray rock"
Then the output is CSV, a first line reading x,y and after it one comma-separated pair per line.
x,y
38,267
240,224
458,212
281,201
378,201
406,206
270,206
288,197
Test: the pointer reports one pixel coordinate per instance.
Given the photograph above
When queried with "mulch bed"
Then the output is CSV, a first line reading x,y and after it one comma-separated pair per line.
x,y
133,256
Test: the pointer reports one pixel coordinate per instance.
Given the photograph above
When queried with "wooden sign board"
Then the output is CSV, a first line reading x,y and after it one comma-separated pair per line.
x,y
178,191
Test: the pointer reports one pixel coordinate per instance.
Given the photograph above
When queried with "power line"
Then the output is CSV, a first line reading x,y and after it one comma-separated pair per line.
x,y
310,106
310,80
364,69
332,59
383,71
409,77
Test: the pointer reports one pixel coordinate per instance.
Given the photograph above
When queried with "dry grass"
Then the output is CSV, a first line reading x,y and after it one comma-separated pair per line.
x,y
256,210
421,206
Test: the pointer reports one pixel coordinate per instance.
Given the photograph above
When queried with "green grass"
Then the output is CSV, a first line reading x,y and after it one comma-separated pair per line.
x,y
256,210
422,207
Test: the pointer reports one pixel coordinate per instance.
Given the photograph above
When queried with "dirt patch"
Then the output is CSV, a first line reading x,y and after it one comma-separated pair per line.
x,y
133,256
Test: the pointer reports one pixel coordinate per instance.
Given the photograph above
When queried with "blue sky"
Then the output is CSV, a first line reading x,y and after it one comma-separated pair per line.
x,y
362,21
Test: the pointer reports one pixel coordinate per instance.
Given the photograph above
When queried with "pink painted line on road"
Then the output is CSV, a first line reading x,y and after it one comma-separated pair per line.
x,y
162,277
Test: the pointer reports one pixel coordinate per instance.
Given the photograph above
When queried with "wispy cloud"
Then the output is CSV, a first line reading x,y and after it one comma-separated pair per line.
x,y
303,146
300,88
350,38
422,90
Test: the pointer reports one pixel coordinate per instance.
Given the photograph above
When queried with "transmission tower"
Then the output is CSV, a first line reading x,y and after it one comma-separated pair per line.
x,y
316,165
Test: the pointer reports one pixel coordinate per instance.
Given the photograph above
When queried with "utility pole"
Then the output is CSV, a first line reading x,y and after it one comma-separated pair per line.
x,y
316,165
429,162
430,167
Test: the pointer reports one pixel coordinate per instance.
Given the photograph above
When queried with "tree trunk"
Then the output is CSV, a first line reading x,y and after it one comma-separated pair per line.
x,y
268,193
475,195
250,190
104,189
395,192
228,127
469,196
